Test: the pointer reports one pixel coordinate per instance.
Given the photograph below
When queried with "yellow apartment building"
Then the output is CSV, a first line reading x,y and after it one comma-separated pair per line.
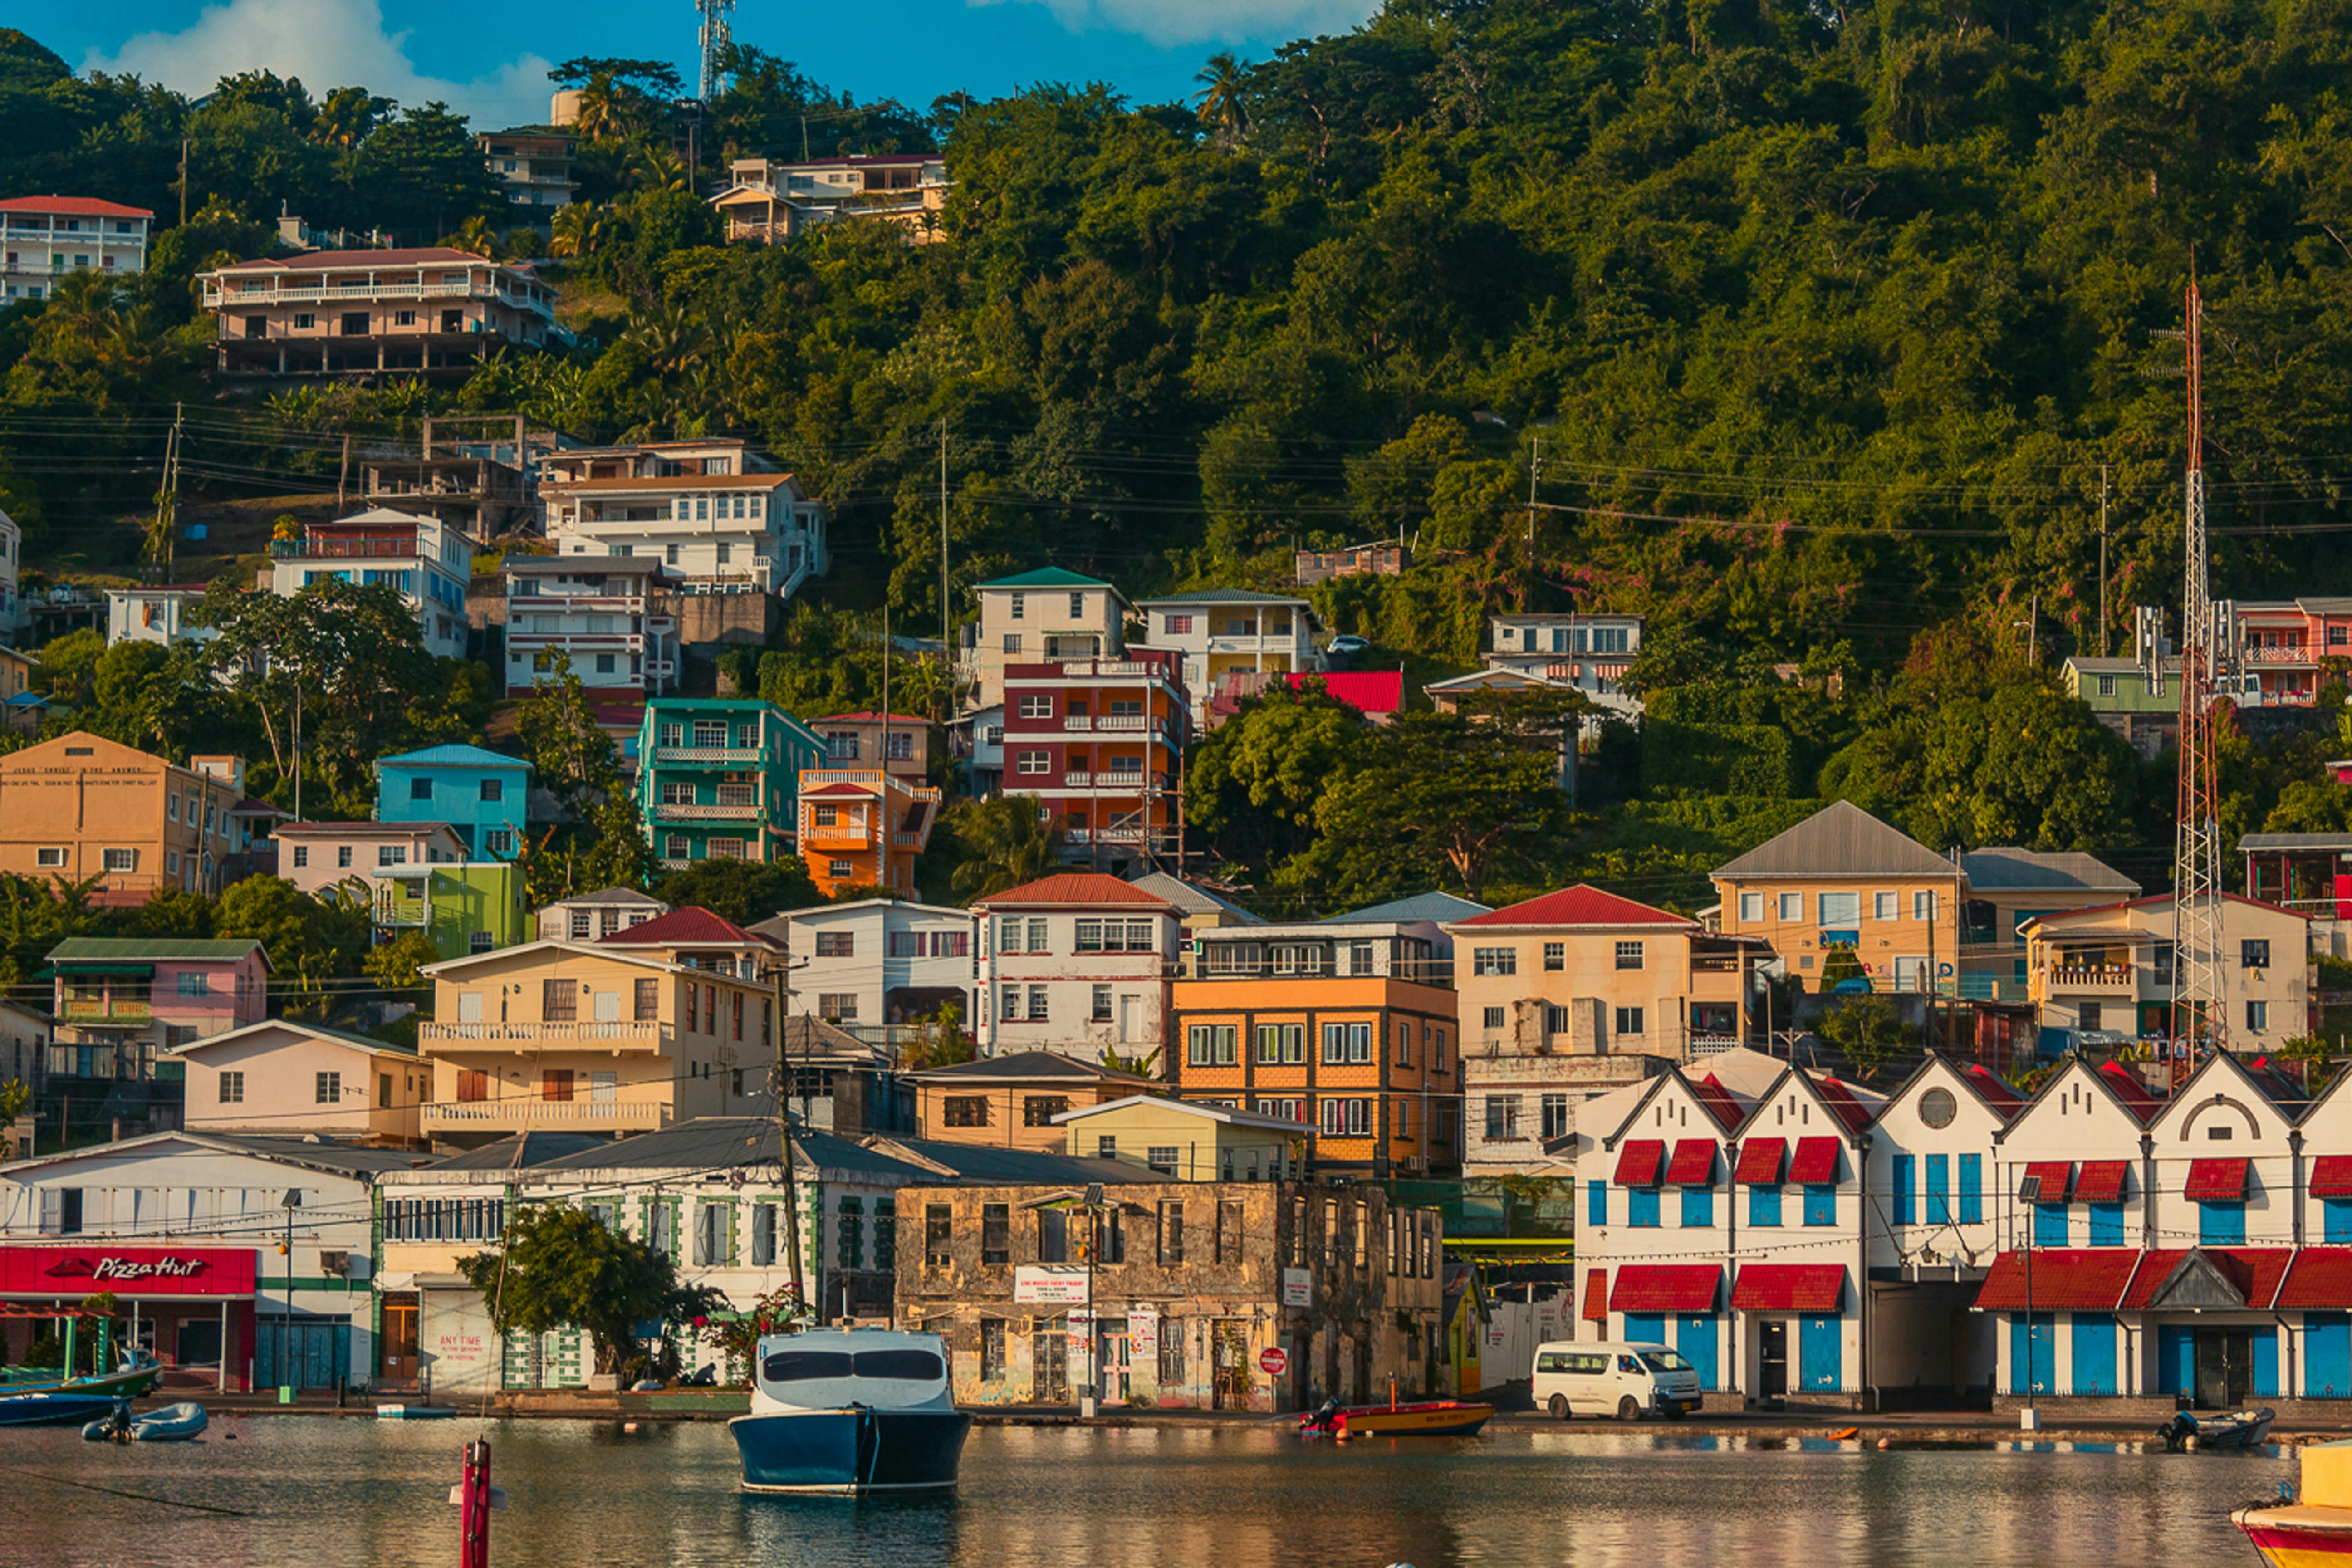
x,y
567,1036
80,807
1841,878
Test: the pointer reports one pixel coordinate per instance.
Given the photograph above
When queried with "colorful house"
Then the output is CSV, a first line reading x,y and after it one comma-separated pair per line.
x,y
861,827
121,1003
278,1078
717,777
482,795
471,907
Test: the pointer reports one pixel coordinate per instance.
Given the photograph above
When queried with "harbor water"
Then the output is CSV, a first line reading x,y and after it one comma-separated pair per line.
x,y
326,1493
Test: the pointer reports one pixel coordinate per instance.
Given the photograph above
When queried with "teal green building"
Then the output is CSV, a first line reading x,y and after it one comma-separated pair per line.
x,y
719,777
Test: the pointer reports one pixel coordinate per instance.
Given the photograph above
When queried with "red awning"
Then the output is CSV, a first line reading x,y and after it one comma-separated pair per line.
x,y
2102,1181
1639,1160
1666,1288
2057,1177
1596,1296
2320,1279
1693,1164
1789,1287
1816,1162
2076,1279
2218,1181
1759,1162
2331,1176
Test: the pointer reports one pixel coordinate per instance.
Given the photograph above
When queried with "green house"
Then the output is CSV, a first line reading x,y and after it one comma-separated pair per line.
x,y
463,907
719,777
2116,689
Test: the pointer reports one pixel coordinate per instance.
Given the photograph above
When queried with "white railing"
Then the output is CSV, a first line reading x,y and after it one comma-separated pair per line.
x,y
1132,722
1713,1045
726,756
616,1115
1076,780
680,813
600,1032
1077,721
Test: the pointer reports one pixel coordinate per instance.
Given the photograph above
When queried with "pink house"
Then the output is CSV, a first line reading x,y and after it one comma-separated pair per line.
x,y
121,1002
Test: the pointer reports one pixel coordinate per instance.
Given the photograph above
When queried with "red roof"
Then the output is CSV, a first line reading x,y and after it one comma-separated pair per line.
x,y
1666,1288
837,789
2218,1181
1596,1297
1365,690
1582,905
1718,1102
1759,1162
871,716
72,206
1789,1287
1816,1162
1089,888
1639,1160
2079,1279
1842,1104
2102,1181
2320,1278
689,927
2129,1088
2057,1178
310,261
1995,1088
1693,1164
2255,1272
2331,1176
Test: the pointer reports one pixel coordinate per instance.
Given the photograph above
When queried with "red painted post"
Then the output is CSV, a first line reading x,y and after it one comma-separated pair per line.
x,y
474,1508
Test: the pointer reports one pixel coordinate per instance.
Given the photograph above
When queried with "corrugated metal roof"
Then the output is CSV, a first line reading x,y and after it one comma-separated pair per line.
x,y
2003,870
356,1158
453,756
315,259
1049,577
524,1149
1020,1167
2296,841
1023,1065
692,926
612,895
1840,840
1224,596
72,206
1191,898
149,950
1439,908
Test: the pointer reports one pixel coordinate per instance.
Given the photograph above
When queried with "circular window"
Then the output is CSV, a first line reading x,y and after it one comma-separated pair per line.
x,y
1937,1108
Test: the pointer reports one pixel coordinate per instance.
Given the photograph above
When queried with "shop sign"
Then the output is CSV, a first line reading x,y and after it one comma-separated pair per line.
x,y
60,1271
1298,1288
1049,1285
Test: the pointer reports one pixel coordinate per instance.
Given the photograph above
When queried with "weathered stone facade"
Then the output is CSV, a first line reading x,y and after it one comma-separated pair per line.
x,y
1189,1285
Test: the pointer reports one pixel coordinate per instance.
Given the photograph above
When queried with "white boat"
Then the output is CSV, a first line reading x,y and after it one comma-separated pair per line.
x,y
851,1411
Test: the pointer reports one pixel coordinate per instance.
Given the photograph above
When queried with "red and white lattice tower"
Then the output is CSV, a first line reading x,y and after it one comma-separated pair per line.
x,y
2207,635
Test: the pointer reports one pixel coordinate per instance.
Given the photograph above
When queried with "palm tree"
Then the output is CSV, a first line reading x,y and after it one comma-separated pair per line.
x,y
1008,844
577,230
672,338
346,115
1224,98
603,108
85,299
476,236
652,167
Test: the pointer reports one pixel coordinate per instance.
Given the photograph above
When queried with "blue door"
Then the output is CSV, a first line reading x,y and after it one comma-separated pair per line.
x,y
2266,1376
1697,1337
2034,1348
2094,1353
1821,1356
2326,1355
2175,1360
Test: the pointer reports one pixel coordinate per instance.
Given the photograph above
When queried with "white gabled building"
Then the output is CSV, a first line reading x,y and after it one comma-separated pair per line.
x,y
1076,962
878,964
709,513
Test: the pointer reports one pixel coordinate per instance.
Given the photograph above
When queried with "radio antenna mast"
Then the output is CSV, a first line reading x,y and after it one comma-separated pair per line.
x,y
2208,639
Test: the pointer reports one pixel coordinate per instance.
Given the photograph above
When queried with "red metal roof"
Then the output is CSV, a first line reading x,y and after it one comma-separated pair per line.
x,y
1693,1164
2079,1279
2255,1272
2102,1181
1088,887
2331,1176
689,927
2319,1278
1596,1297
1666,1288
72,206
1789,1287
2057,1179
1842,1104
1816,1162
2129,1088
1639,1160
2218,1181
1582,905
1995,1088
1759,1162
1719,1103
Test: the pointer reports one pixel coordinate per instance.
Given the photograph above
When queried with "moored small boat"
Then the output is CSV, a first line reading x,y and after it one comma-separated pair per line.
x,y
1428,1418
2236,1429
136,1375
2313,1529
851,1411
53,1409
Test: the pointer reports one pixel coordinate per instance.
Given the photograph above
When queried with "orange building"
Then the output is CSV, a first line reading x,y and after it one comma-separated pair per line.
x,y
860,827
82,806
1348,1025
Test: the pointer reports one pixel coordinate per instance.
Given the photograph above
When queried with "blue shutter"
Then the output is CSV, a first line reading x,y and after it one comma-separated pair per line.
x,y
1820,1205
1939,1189
2222,1225
2034,1348
1642,1207
1698,1208
1764,1206
2107,1225
2050,1224
1645,1327
1971,1189
1821,1356
2176,1359
2337,1219
1596,1202
2326,1355
2094,1353
2266,1374
1906,1200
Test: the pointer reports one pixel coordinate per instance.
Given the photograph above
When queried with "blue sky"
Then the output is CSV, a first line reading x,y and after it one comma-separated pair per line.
x,y
491,60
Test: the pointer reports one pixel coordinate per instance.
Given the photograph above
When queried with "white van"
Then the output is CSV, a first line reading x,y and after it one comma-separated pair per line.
x,y
1622,1378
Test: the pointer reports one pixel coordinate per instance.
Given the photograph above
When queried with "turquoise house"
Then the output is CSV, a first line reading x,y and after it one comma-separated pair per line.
x,y
719,777
480,794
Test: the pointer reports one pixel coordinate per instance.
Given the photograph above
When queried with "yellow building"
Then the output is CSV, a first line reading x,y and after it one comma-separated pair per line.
x,y
80,807
580,1038
1011,1102
1841,878
1186,1140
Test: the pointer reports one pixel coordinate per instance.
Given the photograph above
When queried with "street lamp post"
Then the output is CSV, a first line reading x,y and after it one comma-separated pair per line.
x,y
292,1201
2028,1189
1094,1328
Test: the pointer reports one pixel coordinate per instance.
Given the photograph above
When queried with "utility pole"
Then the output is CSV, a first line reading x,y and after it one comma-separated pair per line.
x,y
782,973
184,182
2103,560
1535,473
945,651
343,474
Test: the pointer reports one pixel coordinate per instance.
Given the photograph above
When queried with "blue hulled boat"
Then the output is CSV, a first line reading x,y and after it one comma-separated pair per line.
x,y
851,1411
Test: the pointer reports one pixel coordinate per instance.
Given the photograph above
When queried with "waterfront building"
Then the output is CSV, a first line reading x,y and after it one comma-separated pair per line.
x,y
1156,1294
288,1079
82,806
122,1005
718,778
1078,962
1012,1100
878,967
483,795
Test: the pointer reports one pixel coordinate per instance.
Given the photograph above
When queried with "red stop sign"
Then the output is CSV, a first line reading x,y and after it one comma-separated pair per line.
x,y
1273,1361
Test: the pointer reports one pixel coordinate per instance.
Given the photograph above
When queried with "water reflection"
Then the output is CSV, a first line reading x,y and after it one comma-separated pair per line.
x,y
359,1494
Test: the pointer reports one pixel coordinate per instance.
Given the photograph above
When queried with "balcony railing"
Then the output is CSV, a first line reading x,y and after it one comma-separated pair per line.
x,y
671,811
522,1114
708,756
648,1035
108,1010
2116,979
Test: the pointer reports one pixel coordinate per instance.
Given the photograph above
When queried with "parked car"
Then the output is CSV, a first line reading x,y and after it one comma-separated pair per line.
x,y
1624,1378
1342,651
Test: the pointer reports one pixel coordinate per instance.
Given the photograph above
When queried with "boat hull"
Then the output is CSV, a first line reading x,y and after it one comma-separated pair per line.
x,y
1447,1418
850,1452
2296,1536
128,1382
54,1409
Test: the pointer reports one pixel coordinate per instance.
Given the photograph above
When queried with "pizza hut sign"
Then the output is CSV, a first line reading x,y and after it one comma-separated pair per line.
x,y
123,1271
51,1271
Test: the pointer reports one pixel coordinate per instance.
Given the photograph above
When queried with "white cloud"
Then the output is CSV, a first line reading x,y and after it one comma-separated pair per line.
x,y
1207,21
328,44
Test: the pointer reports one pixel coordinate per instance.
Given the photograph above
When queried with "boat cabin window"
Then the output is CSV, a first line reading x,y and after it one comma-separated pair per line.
x,y
914,1366
802,1366
807,1366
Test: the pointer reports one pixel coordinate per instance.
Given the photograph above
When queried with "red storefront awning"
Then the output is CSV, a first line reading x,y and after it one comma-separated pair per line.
x,y
2320,1279
2102,1181
1639,1160
2079,1279
2218,1181
1759,1162
1816,1162
1789,1287
1666,1288
2057,1179
2331,1176
52,1272
1596,1296
1693,1164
